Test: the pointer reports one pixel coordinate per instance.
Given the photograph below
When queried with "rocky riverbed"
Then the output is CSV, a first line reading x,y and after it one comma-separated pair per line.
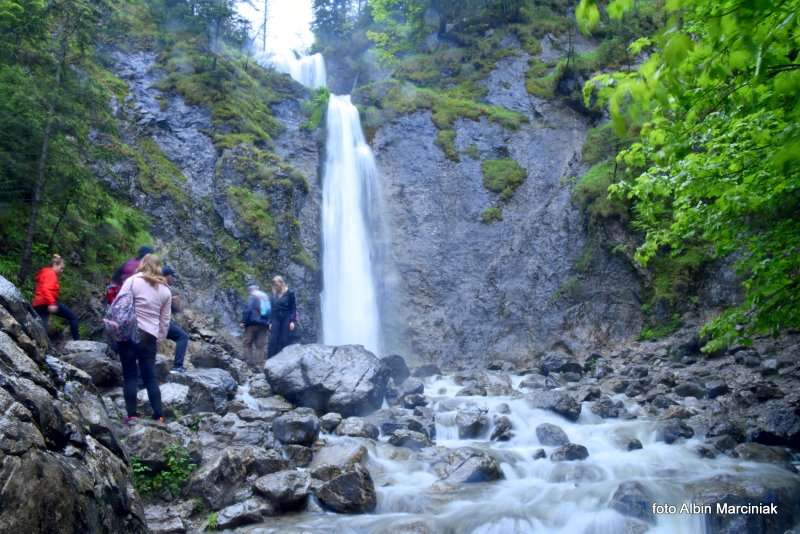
x,y
331,439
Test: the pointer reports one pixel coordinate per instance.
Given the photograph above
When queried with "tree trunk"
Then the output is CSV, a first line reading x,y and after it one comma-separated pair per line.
x,y
41,165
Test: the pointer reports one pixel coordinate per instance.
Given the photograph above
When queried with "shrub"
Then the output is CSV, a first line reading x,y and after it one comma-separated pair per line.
x,y
502,176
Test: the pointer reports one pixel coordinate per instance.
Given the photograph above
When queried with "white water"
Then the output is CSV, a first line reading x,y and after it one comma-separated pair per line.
x,y
350,313
536,496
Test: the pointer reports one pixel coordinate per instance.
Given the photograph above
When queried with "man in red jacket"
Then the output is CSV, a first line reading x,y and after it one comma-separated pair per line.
x,y
45,297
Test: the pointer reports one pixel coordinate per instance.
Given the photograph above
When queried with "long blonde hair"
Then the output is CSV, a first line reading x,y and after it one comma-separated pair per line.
x,y
151,269
279,281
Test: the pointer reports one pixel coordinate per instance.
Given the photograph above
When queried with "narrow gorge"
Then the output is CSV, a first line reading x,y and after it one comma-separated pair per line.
x,y
481,348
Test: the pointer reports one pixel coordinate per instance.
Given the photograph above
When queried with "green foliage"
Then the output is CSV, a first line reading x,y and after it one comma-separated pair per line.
x,y
502,176
254,211
178,468
316,107
211,521
491,215
591,192
660,331
715,111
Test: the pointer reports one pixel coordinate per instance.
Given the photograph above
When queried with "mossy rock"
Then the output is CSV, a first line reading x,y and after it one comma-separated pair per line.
x,y
502,176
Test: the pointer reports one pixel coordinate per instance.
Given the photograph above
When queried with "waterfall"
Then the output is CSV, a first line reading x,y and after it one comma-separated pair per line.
x,y
350,312
351,213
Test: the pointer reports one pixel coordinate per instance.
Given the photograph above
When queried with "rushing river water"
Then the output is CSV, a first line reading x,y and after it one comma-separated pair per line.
x,y
536,495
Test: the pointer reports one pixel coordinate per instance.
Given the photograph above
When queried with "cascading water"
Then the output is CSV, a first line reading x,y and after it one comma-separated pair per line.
x,y
350,312
308,70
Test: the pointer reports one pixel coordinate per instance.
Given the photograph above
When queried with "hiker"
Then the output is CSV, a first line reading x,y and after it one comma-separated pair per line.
x,y
124,272
175,332
255,321
282,317
153,302
45,296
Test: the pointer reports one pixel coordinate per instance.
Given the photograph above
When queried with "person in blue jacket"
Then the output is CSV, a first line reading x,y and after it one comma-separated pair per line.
x,y
255,321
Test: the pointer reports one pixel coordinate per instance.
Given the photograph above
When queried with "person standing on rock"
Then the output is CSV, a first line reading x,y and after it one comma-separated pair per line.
x,y
153,303
175,332
282,317
255,321
45,296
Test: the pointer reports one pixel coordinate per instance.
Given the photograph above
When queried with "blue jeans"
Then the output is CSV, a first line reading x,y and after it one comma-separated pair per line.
x,y
63,312
181,339
140,358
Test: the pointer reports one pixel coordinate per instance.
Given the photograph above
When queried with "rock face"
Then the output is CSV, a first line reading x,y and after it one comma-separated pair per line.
x,y
202,202
95,359
348,380
61,467
434,207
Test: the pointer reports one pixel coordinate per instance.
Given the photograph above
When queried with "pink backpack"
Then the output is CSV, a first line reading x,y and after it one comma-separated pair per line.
x,y
120,318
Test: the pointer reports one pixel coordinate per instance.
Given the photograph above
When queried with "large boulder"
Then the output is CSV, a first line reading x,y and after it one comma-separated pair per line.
x,y
409,439
551,435
672,430
222,476
247,512
94,358
286,490
633,500
175,400
569,452
348,380
776,423
298,427
467,465
210,390
351,492
340,456
149,445
503,429
472,423
397,368
556,401
559,362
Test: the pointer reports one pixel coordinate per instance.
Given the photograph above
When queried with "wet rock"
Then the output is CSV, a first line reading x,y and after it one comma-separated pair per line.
x,y
391,420
724,444
537,381
298,427
503,408
298,455
633,444
164,520
330,421
149,443
690,389
766,390
95,360
352,492
503,429
663,401
551,435
569,452
253,510
210,390
467,465
398,370
606,408
413,400
286,490
588,394
472,390
730,490
424,371
756,452
349,380
672,430
219,478
483,383
556,401
358,428
343,455
539,454
570,376
677,412
409,439
259,387
213,357
472,423
632,499
705,451
559,362
412,386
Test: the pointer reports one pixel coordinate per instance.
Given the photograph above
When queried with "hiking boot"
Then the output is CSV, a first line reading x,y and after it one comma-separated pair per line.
x,y
178,370
131,419
160,420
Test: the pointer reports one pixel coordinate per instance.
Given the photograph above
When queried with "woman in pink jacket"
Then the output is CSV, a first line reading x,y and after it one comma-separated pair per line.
x,y
152,299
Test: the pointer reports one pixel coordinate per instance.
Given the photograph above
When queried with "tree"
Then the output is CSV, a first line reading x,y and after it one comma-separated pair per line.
x,y
716,111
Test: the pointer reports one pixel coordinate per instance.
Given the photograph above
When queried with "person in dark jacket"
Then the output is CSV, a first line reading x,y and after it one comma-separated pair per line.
x,y
255,321
282,317
45,297
127,269
175,332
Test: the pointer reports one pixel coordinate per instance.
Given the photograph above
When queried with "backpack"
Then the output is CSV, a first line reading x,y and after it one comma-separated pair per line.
x,y
112,290
265,307
120,318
